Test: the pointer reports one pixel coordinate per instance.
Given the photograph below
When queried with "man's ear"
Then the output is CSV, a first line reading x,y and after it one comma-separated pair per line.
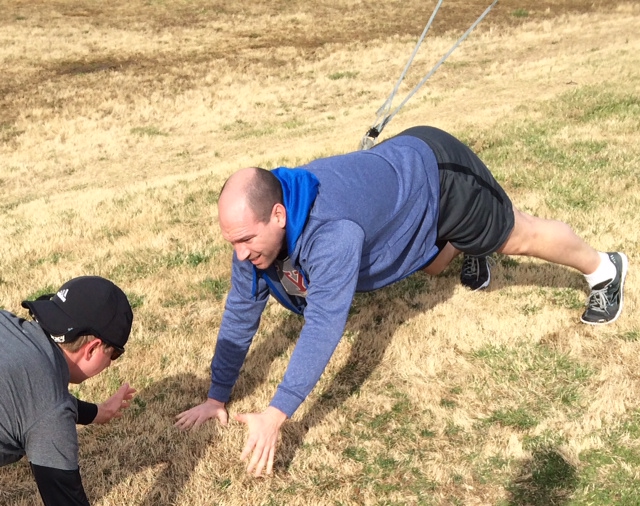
x,y
279,212
90,348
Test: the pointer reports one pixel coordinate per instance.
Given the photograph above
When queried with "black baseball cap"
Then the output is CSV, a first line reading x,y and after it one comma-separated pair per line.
x,y
87,305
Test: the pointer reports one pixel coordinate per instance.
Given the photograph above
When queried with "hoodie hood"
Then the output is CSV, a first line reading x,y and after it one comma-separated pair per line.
x,y
299,191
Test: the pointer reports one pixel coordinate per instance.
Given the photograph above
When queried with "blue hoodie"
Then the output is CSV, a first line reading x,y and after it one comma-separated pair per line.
x,y
355,222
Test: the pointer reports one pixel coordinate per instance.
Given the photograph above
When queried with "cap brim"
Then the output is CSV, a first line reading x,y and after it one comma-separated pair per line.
x,y
50,316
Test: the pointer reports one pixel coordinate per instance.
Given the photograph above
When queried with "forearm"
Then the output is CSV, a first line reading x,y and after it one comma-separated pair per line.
x,y
333,261
308,361
225,367
239,324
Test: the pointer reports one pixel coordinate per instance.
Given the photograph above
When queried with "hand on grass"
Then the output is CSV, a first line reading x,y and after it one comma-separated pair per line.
x,y
113,406
264,429
199,414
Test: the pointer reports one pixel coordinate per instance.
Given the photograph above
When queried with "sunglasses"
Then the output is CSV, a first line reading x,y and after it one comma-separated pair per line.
x,y
117,350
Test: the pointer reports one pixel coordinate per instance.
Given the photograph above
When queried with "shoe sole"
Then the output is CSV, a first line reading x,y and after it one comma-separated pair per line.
x,y
625,268
485,284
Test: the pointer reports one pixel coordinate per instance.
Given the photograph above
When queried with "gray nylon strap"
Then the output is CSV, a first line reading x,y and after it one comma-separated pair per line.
x,y
383,115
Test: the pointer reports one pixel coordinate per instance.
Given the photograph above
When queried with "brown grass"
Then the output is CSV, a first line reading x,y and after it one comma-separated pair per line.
x,y
120,121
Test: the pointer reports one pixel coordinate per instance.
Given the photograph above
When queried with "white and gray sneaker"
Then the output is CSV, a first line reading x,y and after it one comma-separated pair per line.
x,y
604,304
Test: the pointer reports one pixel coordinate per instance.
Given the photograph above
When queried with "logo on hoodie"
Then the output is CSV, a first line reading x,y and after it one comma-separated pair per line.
x,y
292,280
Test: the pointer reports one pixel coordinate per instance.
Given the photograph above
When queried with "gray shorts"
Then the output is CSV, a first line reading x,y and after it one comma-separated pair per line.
x,y
476,215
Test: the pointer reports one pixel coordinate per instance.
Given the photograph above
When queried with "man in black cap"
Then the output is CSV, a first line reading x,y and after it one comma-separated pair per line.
x,y
75,335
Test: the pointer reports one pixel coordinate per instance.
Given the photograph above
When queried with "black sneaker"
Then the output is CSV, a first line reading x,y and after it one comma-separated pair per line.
x,y
604,304
475,273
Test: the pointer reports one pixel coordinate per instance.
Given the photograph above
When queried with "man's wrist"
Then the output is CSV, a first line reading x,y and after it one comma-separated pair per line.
x,y
276,414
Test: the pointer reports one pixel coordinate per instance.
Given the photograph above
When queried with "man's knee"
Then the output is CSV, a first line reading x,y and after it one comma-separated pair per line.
x,y
531,233
523,234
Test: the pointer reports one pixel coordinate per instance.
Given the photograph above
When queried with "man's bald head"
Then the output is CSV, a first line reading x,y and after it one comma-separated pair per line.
x,y
257,188
252,217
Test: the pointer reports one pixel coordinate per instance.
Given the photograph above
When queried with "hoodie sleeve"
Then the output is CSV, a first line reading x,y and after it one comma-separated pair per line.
x,y
331,259
240,322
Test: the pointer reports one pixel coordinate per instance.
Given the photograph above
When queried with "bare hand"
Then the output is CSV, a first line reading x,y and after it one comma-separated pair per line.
x,y
113,406
199,414
264,429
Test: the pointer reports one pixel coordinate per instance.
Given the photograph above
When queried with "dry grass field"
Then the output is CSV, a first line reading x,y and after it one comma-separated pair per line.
x,y
119,121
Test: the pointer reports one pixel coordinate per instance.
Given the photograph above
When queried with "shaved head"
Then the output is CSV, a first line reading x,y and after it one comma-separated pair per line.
x,y
258,188
252,216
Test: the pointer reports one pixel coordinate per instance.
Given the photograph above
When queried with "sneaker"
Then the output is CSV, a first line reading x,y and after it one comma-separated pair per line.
x,y
475,273
604,304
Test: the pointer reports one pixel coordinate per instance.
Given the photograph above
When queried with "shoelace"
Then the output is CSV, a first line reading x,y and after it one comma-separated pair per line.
x,y
599,300
471,267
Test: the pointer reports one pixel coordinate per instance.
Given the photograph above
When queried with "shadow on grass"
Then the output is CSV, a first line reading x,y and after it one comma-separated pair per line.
x,y
111,454
522,271
547,479
374,318
145,442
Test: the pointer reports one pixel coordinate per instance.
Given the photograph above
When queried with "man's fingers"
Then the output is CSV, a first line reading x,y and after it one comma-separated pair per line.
x,y
254,463
123,389
267,460
261,462
222,416
270,461
262,458
194,417
125,392
259,450
199,421
184,420
246,451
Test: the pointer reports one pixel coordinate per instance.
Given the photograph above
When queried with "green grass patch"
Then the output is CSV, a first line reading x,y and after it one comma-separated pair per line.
x,y
568,298
293,124
52,259
8,132
355,453
149,131
554,156
631,336
519,418
217,287
401,446
148,261
590,104
135,300
609,474
245,130
45,290
343,75
545,376
209,289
